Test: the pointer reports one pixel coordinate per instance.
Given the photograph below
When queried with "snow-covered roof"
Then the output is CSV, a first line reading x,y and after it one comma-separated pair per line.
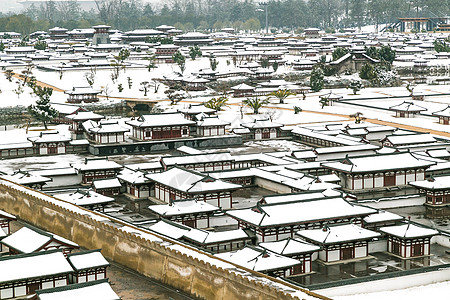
x,y
183,207
170,229
196,109
289,246
340,149
411,139
27,240
442,113
98,290
337,234
300,212
160,120
82,91
196,159
382,216
243,86
101,127
87,260
212,237
84,198
33,265
84,115
322,136
408,107
261,124
211,121
190,181
409,230
97,164
379,162
4,214
106,183
258,259
433,183
48,137
54,172
26,178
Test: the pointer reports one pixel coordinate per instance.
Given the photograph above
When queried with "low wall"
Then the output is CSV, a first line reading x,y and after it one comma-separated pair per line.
x,y
150,258
394,281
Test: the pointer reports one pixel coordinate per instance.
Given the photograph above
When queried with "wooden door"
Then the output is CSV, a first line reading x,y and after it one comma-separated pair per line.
x,y
52,148
396,248
389,179
347,253
32,288
266,134
190,223
297,269
417,250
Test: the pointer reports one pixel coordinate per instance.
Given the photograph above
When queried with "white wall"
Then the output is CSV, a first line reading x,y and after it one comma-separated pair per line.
x,y
222,221
334,255
378,246
272,186
360,252
202,223
400,202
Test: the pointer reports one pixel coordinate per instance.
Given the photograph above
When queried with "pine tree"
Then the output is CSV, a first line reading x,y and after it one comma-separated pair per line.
x,y
316,79
194,52
43,111
179,59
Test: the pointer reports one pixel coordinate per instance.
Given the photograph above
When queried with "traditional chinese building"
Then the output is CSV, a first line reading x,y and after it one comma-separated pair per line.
x,y
97,168
177,183
105,131
161,126
436,190
205,162
211,126
296,249
88,266
263,129
107,187
192,213
262,260
274,222
407,109
50,143
86,198
340,242
444,115
220,241
378,171
79,117
82,94
31,273
409,240
31,239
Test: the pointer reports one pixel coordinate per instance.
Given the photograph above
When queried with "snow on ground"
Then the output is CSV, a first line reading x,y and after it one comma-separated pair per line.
x,y
9,166
431,291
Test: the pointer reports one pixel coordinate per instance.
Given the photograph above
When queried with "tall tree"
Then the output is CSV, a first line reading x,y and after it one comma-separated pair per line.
x,y
42,110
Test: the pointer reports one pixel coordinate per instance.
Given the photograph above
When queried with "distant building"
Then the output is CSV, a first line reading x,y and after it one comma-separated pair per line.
x,y
101,35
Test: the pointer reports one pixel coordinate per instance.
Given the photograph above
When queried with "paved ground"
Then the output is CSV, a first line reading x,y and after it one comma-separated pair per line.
x,y
132,286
